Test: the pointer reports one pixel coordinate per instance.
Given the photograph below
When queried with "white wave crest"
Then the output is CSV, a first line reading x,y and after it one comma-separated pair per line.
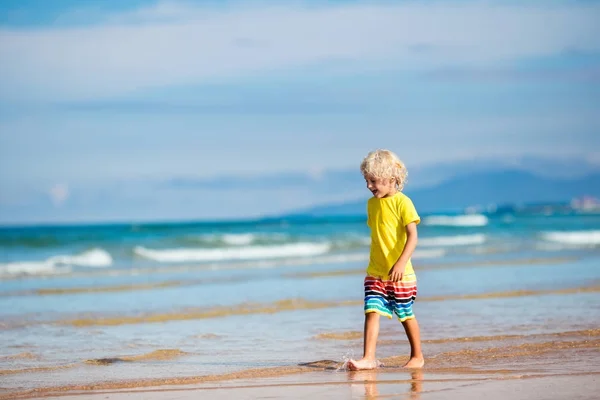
x,y
429,253
240,239
57,264
234,253
92,258
457,240
573,238
31,268
456,220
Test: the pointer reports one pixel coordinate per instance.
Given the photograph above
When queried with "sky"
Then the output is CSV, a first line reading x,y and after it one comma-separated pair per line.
x,y
105,105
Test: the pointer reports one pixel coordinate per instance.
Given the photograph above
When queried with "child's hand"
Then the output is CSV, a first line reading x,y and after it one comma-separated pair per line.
x,y
396,273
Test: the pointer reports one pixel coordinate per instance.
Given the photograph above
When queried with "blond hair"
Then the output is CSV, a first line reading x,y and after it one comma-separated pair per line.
x,y
386,165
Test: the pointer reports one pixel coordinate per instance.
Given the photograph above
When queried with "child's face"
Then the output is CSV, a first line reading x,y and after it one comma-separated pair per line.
x,y
381,187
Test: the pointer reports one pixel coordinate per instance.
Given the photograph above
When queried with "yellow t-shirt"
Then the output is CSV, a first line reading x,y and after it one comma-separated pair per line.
x,y
387,218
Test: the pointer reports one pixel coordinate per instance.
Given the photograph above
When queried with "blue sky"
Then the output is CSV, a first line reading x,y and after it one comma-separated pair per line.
x,y
102,102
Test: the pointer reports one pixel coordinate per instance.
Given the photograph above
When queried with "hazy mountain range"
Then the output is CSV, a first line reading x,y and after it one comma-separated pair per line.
x,y
481,189
439,187
456,186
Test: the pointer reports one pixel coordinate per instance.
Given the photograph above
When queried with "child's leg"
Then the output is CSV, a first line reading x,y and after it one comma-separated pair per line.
x,y
371,335
376,302
405,293
411,326
370,343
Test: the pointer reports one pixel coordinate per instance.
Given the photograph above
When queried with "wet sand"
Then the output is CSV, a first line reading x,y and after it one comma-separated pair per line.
x,y
506,334
527,387
370,385
563,365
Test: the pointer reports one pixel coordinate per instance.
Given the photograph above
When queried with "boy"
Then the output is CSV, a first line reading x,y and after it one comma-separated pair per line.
x,y
391,283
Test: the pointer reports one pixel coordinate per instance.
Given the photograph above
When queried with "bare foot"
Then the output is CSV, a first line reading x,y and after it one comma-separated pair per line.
x,y
363,363
415,362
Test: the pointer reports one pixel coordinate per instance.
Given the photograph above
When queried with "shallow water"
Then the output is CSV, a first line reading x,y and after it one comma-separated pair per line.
x,y
134,320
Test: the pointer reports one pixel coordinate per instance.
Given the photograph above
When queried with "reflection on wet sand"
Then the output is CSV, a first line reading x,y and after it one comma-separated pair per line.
x,y
501,362
416,386
365,383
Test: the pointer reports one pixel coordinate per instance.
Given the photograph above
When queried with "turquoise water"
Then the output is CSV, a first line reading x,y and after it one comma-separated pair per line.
x,y
45,251
171,271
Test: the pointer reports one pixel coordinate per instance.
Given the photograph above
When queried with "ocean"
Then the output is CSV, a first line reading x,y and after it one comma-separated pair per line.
x,y
85,305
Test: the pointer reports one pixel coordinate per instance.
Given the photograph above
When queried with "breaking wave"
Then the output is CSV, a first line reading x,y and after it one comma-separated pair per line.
x,y
242,239
234,253
94,258
456,220
458,240
97,258
429,253
234,239
573,238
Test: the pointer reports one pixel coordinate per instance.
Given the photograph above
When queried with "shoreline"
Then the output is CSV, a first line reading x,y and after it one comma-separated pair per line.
x,y
392,382
574,355
283,305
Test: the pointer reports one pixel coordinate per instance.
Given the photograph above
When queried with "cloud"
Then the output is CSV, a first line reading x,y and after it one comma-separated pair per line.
x,y
580,74
594,158
59,193
175,43
319,179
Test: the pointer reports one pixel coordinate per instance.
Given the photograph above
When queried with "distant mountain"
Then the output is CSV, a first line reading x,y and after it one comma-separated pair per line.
x,y
481,189
350,181
544,167
440,186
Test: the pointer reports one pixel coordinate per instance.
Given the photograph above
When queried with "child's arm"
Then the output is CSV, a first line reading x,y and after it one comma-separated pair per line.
x,y
411,242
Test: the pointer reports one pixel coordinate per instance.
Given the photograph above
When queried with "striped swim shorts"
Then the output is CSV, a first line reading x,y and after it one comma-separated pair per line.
x,y
387,297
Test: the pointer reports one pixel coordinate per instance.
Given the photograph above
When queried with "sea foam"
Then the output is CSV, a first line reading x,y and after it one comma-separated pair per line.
x,y
429,253
236,239
457,240
456,220
31,268
233,253
240,239
96,258
573,238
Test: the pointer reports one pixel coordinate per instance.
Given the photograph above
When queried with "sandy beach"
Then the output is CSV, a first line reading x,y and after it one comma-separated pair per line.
x,y
504,310
546,366
240,199
389,385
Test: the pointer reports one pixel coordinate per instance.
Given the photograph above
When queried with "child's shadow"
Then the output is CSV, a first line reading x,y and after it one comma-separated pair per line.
x,y
369,383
